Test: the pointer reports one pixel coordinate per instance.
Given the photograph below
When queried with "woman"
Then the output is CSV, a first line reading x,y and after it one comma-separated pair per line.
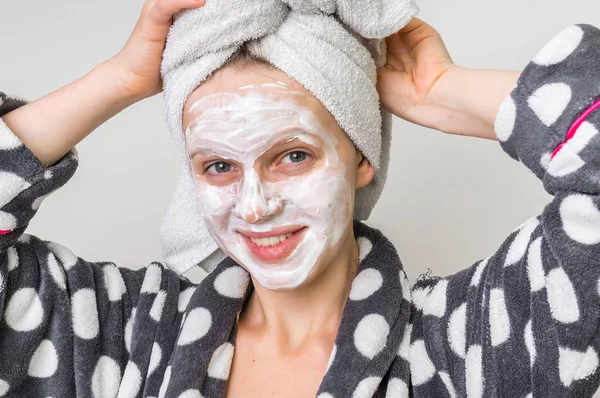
x,y
521,322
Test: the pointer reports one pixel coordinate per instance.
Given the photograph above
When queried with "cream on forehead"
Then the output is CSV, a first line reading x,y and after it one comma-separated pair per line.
x,y
247,119
240,127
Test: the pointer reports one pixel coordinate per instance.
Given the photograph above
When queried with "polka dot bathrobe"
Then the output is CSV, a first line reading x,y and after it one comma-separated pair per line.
x,y
521,323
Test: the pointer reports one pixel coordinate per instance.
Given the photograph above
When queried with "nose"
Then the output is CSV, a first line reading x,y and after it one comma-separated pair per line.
x,y
253,206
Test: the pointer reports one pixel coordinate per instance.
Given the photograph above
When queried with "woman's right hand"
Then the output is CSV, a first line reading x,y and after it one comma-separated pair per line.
x,y
137,65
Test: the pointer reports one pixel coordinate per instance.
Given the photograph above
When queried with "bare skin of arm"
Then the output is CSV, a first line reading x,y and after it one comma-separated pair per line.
x,y
421,84
51,126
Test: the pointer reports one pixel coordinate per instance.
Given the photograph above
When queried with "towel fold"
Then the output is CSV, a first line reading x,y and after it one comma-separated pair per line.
x,y
331,47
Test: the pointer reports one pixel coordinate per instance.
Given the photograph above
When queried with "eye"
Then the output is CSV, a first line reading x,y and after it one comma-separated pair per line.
x,y
295,157
220,168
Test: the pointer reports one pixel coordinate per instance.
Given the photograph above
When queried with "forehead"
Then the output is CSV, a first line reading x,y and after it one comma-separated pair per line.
x,y
234,97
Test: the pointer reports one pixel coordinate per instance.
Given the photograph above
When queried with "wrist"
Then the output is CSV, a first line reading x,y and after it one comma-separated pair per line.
x,y
445,100
116,82
467,100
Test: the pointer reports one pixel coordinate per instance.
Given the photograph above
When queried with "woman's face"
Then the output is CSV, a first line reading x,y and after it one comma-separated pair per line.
x,y
274,174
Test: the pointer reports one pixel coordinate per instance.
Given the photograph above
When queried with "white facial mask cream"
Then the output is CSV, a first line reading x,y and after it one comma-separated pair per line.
x,y
277,228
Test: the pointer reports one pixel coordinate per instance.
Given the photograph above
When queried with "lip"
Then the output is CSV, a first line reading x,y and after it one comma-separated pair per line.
x,y
277,252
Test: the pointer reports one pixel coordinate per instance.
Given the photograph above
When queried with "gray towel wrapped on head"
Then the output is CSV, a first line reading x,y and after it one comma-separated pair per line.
x,y
331,47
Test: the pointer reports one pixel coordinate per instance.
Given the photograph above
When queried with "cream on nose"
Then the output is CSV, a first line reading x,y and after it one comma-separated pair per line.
x,y
252,205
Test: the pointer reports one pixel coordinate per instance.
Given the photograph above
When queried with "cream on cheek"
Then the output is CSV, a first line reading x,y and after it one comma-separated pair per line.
x,y
240,127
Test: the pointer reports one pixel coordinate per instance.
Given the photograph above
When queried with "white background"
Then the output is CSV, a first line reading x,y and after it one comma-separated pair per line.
x,y
449,200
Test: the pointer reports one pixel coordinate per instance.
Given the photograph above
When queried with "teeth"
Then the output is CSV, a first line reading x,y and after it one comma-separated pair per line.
x,y
270,241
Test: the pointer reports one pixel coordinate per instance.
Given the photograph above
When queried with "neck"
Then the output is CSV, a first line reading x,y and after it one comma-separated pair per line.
x,y
313,310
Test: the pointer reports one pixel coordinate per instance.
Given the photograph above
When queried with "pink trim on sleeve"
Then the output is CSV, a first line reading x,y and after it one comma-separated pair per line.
x,y
5,232
576,125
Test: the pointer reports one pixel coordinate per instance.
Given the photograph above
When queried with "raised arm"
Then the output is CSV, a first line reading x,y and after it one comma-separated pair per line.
x,y
524,322
53,125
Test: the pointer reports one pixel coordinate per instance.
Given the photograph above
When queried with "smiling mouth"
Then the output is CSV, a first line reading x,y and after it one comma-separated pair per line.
x,y
272,241
275,245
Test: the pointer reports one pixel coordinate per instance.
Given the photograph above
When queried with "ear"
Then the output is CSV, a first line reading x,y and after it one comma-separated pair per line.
x,y
365,172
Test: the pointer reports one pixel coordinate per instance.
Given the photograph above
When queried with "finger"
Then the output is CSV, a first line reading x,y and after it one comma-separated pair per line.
x,y
414,24
163,10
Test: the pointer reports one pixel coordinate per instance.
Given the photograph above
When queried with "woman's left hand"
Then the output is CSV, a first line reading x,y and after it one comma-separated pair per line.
x,y
421,84
417,60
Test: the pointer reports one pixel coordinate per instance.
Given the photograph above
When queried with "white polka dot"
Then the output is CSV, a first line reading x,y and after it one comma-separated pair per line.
x,y
158,305
152,279
367,387
165,383
12,185
48,175
371,335
232,282
567,160
575,365
106,378
115,285
132,382
530,343
474,372
13,258
419,295
364,247
404,348
365,284
448,384
24,311
505,119
325,395
64,255
421,367
435,302
8,140
129,330
518,247
331,358
85,314
44,362
4,387
550,101
535,267
397,389
58,274
499,321
196,325
564,162
184,298
155,358
190,394
476,278
561,297
220,363
457,328
8,222
581,219
560,47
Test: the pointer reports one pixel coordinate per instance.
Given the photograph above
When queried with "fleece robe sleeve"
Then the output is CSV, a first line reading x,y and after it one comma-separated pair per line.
x,y
525,321
66,324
